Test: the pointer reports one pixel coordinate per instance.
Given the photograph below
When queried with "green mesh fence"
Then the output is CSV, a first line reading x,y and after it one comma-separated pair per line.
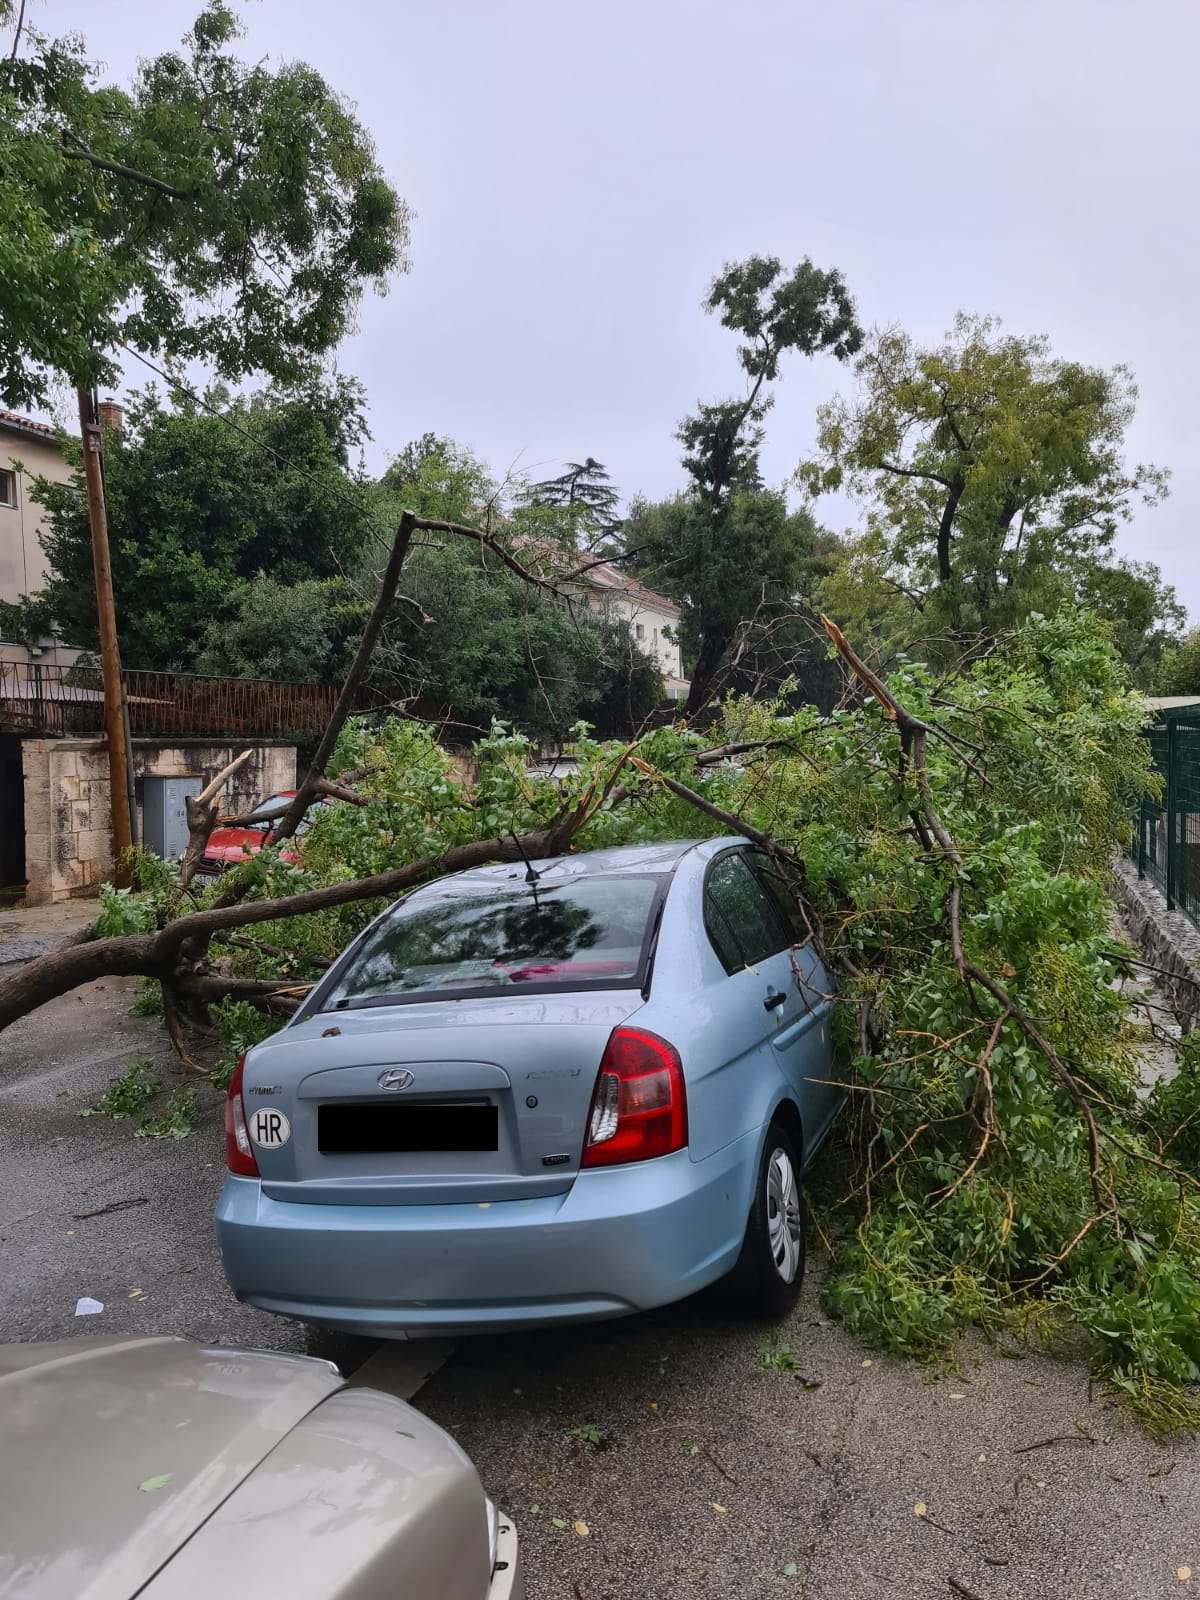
x,y
1166,842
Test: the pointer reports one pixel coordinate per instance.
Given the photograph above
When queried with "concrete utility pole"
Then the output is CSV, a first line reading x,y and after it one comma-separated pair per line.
x,y
110,655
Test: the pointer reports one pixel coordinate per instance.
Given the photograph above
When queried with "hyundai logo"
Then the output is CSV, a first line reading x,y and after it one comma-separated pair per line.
x,y
396,1078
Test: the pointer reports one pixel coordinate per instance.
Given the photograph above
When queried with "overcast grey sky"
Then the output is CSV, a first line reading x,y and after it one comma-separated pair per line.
x,y
579,174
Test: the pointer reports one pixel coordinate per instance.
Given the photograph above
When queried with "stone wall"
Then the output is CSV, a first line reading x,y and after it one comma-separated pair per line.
x,y
68,820
1166,938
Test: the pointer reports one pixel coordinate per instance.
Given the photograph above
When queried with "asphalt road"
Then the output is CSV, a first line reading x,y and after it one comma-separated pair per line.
x,y
713,1475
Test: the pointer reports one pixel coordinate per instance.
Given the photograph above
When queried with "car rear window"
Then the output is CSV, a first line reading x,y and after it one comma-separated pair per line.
x,y
592,933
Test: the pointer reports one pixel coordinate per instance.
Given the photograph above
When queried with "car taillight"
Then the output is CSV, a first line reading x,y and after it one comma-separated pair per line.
x,y
239,1152
639,1104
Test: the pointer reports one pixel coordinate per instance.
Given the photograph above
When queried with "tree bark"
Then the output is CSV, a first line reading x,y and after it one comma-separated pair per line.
x,y
704,674
946,528
63,970
203,811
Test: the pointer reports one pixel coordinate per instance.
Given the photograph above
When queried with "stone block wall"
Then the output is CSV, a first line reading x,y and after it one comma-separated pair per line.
x,y
1166,938
68,818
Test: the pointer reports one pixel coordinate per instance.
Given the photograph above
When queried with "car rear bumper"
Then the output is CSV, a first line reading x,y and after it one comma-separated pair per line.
x,y
622,1239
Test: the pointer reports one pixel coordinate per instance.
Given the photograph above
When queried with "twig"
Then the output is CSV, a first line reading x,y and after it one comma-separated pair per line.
x,y
984,1077
114,1205
1030,1283
728,1476
961,1588
1056,1438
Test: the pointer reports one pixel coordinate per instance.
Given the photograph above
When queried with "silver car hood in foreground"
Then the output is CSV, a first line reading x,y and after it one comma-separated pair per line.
x,y
155,1467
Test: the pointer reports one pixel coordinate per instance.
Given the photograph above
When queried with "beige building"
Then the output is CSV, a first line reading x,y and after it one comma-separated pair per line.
x,y
653,618
27,450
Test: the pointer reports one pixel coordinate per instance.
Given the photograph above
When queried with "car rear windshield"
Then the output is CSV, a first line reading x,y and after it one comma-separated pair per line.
x,y
592,933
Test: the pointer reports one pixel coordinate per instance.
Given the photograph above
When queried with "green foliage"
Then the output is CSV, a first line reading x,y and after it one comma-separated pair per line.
x,y
589,1433
210,526
149,1002
302,632
474,639
994,482
176,1119
216,210
726,550
239,1028
28,620
1174,1108
130,1093
1035,766
750,579
1180,670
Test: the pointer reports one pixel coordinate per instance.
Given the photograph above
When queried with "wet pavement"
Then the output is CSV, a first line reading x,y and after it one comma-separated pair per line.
x,y
663,1456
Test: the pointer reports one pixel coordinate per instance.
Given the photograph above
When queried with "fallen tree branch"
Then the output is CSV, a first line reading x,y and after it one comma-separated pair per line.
x,y
162,955
203,811
388,585
913,736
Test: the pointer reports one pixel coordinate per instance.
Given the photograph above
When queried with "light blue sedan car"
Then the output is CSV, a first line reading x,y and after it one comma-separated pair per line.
x,y
540,1094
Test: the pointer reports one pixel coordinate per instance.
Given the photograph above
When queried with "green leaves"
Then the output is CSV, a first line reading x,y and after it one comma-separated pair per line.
x,y
215,211
994,481
129,1093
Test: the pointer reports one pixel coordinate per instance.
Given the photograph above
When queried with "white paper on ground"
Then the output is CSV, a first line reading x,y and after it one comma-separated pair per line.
x,y
85,1306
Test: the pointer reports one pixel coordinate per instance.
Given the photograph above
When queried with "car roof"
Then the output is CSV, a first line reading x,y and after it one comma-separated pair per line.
x,y
661,857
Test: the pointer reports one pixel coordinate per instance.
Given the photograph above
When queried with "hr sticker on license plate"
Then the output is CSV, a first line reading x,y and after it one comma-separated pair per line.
x,y
269,1128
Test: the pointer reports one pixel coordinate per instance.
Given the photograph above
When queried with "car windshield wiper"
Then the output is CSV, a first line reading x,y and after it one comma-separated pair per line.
x,y
361,1001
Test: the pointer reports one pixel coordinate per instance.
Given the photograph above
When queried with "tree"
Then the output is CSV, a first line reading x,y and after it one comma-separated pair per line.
x,y
292,632
992,472
721,531
215,211
585,493
1180,670
1143,614
780,650
735,592
472,636
199,503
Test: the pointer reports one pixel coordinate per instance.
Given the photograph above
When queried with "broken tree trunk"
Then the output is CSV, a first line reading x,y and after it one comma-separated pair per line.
x,y
202,813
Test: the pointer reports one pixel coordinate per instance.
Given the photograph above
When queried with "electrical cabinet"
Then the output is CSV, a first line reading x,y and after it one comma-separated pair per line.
x,y
164,814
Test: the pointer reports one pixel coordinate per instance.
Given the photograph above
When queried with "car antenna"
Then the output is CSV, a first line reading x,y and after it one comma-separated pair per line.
x,y
531,873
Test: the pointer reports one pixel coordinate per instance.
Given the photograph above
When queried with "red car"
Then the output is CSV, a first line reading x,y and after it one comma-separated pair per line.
x,y
229,847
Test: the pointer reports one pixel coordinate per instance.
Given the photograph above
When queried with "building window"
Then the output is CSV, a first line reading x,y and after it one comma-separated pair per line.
x,y
8,488
641,631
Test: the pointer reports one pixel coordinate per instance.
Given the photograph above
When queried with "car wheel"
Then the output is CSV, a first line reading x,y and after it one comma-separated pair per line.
x,y
770,1269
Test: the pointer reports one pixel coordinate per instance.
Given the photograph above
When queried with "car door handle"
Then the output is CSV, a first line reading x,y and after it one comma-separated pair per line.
x,y
773,1001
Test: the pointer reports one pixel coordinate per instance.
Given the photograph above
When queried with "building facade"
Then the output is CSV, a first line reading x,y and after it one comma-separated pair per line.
x,y
27,450
653,618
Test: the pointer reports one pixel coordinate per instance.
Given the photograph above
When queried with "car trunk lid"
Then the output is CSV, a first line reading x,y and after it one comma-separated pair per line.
x,y
420,1085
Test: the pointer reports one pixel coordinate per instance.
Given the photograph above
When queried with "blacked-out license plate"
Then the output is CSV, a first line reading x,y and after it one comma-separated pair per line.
x,y
343,1130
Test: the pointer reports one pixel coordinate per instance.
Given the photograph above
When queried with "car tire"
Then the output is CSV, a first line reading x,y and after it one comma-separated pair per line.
x,y
770,1268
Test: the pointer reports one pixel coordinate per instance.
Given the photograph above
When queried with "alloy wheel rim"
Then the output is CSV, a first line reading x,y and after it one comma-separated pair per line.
x,y
783,1215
